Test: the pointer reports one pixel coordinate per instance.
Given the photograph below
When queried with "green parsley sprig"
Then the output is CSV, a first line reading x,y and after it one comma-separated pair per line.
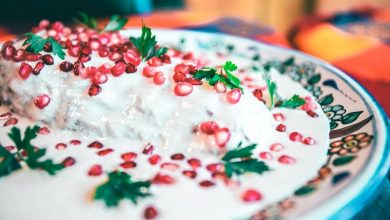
x,y
239,161
120,186
10,162
294,102
115,23
212,76
146,44
36,43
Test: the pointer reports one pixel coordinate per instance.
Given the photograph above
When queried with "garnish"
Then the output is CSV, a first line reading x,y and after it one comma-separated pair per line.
x,y
239,161
212,76
146,44
293,102
36,43
11,161
120,186
116,22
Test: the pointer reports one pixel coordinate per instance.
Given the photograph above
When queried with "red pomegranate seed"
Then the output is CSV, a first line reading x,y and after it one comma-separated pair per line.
x,y
104,51
178,156
181,68
214,167
183,89
94,90
265,155
279,117
159,78
19,55
43,24
84,58
276,147
8,52
78,68
130,156
105,152
312,114
194,163
11,149
94,44
189,173
169,166
188,56
96,144
206,183
105,68
95,170
104,39
220,176
295,136
90,71
281,128
118,69
308,141
11,121
25,70
222,137
99,78
155,61
42,101
208,127
220,87
114,48
69,161
148,149
126,46
58,26
115,56
48,48
233,96
179,77
193,81
251,195
131,57
85,51
38,67
75,142
60,146
149,71
48,59
162,179
43,131
165,59
284,159
154,159
258,94
130,68
32,57
5,116
150,213
74,50
128,164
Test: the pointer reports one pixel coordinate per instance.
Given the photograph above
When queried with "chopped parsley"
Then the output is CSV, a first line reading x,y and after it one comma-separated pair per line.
x,y
36,43
294,102
115,23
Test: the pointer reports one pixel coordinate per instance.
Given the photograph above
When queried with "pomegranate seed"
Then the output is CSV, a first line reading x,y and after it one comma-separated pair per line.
x,y
179,77
233,96
128,165
279,117
85,51
47,47
32,57
95,170
58,26
281,128
258,94
220,176
149,71
74,50
105,152
11,149
19,55
126,46
188,56
312,114
178,156
5,116
169,166
181,68
265,155
118,69
155,61
130,156
154,159
69,161
193,81
150,212
214,167
162,179
60,146
276,147
209,127
130,68
220,87
189,173
38,67
99,78
105,68
222,137
8,52
159,78
90,71
94,90
42,101
114,48
43,24
206,183
94,44
251,195
132,57
284,159
48,59
11,121
43,131
104,51
194,163
25,70
115,56
295,136
84,58
183,89
78,68
308,141
148,149
75,142
165,59
96,144
104,39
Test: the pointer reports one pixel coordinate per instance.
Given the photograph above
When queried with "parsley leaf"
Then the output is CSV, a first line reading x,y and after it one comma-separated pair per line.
x,y
146,44
239,161
86,20
271,85
293,102
120,186
8,162
36,43
116,23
